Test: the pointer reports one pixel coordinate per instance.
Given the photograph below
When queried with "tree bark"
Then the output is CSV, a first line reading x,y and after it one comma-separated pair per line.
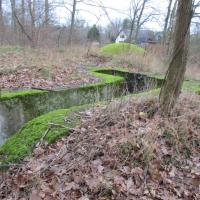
x,y
132,29
133,14
171,26
23,12
174,78
46,13
72,23
32,14
167,22
1,15
139,19
1,23
13,9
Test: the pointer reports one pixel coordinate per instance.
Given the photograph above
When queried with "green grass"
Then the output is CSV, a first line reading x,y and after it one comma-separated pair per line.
x,y
121,48
22,143
192,86
14,94
10,49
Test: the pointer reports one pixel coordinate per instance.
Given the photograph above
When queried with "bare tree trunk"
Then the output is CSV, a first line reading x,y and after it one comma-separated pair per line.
x,y
72,22
139,19
167,22
22,20
1,28
171,88
23,12
13,22
46,13
132,26
131,31
171,26
32,14
1,22
1,15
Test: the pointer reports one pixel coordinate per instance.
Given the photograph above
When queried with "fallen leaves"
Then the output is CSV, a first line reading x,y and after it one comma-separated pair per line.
x,y
111,158
43,70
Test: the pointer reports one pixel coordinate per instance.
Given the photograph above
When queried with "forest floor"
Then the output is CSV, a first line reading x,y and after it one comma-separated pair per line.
x,y
125,150
45,69
50,68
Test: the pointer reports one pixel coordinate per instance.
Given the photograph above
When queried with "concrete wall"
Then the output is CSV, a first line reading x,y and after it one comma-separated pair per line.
x,y
16,111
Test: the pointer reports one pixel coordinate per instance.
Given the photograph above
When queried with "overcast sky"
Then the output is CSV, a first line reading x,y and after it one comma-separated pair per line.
x,y
90,14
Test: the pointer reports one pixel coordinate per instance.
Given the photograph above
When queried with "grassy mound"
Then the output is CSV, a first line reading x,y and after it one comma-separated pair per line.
x,y
120,48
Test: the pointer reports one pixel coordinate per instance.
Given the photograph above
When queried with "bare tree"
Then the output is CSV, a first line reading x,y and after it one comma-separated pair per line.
x,y
167,21
1,22
13,8
133,10
1,14
171,26
73,13
174,78
31,5
46,11
23,12
139,18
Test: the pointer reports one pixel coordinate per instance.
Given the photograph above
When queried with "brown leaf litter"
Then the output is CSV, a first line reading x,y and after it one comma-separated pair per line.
x,y
116,154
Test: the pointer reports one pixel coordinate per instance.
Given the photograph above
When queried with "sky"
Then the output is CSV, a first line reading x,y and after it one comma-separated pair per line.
x,y
91,14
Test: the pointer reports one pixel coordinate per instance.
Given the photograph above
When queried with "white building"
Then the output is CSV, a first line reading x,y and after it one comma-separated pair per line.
x,y
122,37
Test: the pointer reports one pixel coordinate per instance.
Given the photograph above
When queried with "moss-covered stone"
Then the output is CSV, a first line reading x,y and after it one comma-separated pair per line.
x,y
7,95
22,143
33,103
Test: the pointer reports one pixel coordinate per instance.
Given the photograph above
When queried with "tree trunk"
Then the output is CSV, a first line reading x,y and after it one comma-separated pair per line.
x,y
132,27
139,19
72,23
167,22
1,23
131,31
171,26
23,12
174,78
46,13
13,9
1,15
32,14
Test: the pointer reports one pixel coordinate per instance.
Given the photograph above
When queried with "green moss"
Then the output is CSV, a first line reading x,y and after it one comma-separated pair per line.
x,y
120,48
22,143
14,94
197,91
192,86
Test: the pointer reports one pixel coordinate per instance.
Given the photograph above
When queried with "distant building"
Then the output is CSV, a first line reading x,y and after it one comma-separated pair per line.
x,y
144,36
122,37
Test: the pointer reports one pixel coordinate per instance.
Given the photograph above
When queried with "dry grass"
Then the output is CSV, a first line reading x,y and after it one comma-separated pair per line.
x,y
68,67
47,67
155,61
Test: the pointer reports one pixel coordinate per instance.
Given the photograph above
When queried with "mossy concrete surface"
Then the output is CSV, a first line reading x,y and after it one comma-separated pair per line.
x,y
22,143
7,95
22,106
54,124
